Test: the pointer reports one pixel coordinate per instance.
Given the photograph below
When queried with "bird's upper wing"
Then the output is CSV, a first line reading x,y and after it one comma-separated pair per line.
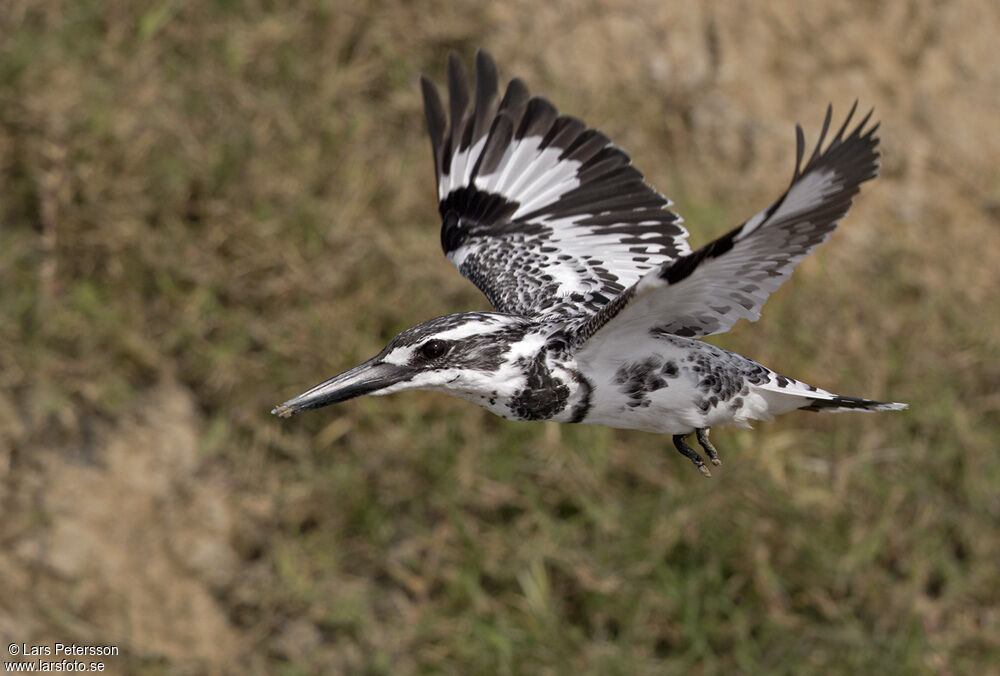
x,y
541,213
708,290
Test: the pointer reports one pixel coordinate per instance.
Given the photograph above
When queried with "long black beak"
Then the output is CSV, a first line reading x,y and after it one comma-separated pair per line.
x,y
369,377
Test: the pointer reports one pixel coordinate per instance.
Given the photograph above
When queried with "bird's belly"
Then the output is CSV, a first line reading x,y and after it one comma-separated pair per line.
x,y
663,412
672,415
675,389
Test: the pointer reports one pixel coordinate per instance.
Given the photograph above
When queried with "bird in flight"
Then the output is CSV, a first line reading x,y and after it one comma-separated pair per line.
x,y
599,298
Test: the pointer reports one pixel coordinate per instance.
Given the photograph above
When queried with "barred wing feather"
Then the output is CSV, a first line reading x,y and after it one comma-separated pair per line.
x,y
542,213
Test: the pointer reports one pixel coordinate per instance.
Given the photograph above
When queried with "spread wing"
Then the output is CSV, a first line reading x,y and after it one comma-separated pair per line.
x,y
707,291
541,213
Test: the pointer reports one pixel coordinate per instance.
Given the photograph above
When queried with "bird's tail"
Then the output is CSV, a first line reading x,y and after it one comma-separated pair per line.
x,y
838,404
785,394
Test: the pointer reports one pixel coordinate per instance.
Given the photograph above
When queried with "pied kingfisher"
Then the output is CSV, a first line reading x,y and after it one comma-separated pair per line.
x,y
599,297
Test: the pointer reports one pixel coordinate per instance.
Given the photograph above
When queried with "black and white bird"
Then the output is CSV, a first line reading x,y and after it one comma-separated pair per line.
x,y
599,298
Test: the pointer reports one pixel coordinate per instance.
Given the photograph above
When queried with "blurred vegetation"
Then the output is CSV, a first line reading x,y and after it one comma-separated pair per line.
x,y
235,197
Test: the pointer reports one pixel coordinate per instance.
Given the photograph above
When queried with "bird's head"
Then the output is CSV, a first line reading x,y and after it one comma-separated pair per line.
x,y
457,354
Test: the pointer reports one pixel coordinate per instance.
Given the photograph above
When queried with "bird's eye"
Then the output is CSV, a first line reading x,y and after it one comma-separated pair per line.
x,y
433,349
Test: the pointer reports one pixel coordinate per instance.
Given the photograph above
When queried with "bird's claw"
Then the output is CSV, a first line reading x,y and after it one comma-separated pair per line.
x,y
692,455
713,454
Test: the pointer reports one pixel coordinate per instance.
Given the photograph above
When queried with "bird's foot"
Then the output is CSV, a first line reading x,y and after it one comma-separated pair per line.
x,y
691,454
713,454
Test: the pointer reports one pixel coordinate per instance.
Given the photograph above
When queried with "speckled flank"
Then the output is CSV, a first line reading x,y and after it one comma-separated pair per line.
x,y
719,376
638,380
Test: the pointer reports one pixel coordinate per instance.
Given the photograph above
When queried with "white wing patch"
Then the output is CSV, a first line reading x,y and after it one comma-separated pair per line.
x,y
540,177
462,163
532,177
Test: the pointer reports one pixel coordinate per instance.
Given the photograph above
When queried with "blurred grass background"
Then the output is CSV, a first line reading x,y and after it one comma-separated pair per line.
x,y
209,206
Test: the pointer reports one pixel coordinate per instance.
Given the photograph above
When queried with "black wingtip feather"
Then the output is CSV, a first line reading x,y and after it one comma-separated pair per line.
x,y
539,115
516,96
563,132
436,119
499,138
585,146
864,121
458,97
800,149
817,151
486,94
835,151
847,121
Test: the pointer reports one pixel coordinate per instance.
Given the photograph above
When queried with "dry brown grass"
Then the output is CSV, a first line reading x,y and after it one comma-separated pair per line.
x,y
208,205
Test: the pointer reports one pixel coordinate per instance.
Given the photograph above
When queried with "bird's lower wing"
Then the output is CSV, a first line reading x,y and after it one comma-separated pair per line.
x,y
539,211
708,290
